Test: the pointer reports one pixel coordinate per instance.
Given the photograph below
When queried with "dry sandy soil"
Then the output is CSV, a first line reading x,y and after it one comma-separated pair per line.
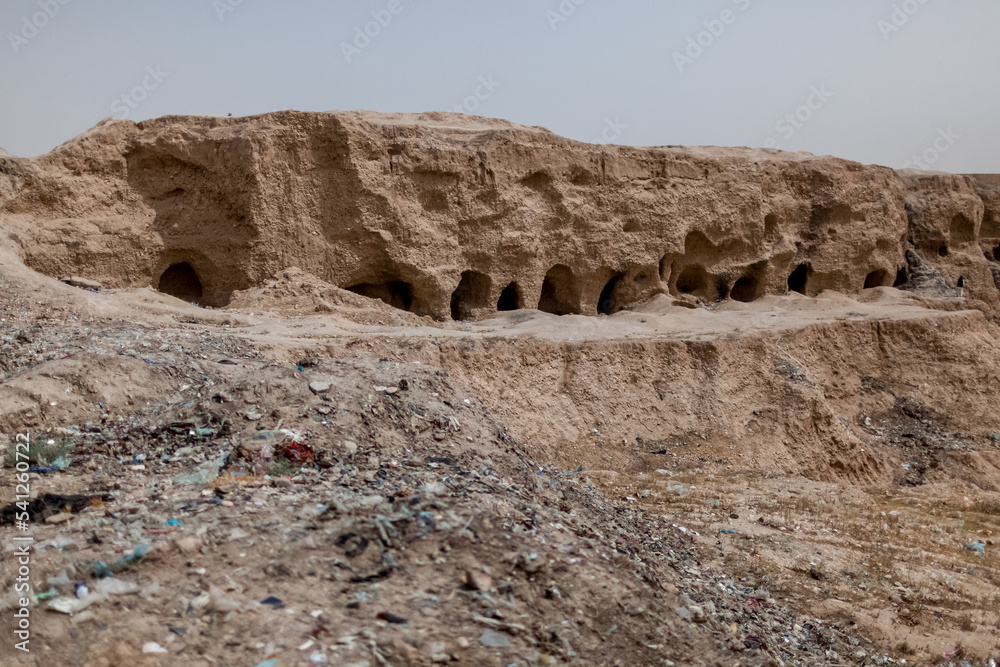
x,y
494,482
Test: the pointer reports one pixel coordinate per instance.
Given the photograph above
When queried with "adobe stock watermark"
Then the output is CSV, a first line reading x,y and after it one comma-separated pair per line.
x,y
900,16
796,119
366,34
30,26
946,138
562,13
127,102
484,91
698,44
224,7
23,542
613,130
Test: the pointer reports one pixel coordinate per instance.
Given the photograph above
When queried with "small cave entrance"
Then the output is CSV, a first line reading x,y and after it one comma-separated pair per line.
x,y
996,254
943,251
722,290
902,276
181,281
693,280
472,294
396,293
510,298
560,292
608,302
877,278
799,280
746,289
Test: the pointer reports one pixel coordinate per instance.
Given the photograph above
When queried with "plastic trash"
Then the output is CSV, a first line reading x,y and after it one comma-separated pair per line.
x,y
204,473
47,594
115,587
153,647
60,463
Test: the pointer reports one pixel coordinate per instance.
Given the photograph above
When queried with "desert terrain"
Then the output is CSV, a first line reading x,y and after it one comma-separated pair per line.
x,y
371,389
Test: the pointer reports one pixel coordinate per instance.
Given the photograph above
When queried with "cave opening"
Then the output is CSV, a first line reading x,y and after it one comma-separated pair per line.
x,y
608,302
396,293
181,281
510,298
746,289
472,294
560,292
799,280
693,280
902,277
877,278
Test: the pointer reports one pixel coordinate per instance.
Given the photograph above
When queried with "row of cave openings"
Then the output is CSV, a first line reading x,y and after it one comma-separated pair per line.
x,y
560,290
696,281
473,294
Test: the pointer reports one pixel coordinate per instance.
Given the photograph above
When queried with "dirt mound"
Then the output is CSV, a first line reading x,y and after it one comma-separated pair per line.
x,y
418,531
294,292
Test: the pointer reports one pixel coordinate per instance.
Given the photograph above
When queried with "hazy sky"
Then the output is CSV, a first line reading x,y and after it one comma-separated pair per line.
x,y
879,81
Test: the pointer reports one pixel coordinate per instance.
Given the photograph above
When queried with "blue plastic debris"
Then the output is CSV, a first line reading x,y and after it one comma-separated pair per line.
x,y
978,548
60,463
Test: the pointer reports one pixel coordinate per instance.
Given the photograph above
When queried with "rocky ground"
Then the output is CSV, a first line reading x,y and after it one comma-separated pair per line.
x,y
228,499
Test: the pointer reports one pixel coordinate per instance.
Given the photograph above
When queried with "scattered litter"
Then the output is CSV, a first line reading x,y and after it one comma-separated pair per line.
x,y
978,548
297,453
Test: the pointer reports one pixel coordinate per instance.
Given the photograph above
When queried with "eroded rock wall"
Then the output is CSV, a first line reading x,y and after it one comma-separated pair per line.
x,y
455,216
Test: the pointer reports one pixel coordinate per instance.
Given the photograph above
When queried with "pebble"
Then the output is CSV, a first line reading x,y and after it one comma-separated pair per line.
x,y
389,617
479,581
494,639
153,647
188,545
319,387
